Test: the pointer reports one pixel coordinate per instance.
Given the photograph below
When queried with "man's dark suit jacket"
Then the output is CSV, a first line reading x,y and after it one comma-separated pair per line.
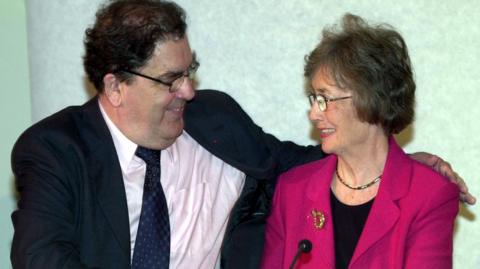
x,y
72,211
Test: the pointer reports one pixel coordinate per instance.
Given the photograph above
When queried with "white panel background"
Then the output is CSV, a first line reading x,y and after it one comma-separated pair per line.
x,y
254,49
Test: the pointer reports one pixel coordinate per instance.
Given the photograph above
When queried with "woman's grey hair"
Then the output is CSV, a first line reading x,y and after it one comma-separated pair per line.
x,y
373,63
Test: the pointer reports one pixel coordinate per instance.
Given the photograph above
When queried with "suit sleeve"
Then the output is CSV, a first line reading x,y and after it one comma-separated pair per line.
x,y
431,242
44,222
287,153
245,137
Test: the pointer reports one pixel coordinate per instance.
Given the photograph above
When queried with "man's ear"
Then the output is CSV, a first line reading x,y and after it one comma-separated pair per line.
x,y
112,89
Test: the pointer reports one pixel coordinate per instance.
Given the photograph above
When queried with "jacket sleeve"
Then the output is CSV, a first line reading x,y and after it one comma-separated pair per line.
x,y
213,116
429,245
286,153
44,222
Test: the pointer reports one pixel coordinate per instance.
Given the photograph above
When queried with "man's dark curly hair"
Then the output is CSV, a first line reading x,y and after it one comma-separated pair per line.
x,y
125,34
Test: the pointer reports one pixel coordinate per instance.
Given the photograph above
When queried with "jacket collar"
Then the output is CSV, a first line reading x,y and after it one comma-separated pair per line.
x,y
105,172
318,192
383,214
385,211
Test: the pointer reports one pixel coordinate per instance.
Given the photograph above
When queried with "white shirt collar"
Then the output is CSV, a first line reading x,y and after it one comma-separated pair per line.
x,y
125,147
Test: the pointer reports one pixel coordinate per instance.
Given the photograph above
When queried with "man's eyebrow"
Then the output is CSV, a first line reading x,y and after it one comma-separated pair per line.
x,y
169,74
174,74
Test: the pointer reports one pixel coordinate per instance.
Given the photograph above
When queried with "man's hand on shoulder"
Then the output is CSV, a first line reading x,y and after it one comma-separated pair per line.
x,y
444,168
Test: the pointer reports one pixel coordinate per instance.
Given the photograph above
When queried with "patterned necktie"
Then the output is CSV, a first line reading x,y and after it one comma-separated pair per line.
x,y
152,245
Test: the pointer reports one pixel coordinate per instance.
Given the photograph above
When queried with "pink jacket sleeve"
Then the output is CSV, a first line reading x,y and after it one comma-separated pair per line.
x,y
429,245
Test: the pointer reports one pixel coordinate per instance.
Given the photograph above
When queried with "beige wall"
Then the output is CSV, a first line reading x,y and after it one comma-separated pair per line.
x,y
254,50
14,108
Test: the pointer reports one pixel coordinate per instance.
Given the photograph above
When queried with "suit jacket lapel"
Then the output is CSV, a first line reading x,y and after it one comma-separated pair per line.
x,y
105,173
318,194
385,212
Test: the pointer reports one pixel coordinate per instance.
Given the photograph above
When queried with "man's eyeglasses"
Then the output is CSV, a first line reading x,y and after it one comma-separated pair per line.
x,y
176,83
322,101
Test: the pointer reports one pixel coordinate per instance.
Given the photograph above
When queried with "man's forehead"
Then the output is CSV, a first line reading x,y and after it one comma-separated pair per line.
x,y
171,55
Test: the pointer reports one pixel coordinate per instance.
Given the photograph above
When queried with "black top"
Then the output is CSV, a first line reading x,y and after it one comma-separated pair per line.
x,y
348,223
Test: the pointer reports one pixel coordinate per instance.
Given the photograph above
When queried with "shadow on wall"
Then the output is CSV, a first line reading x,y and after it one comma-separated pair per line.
x,y
13,189
89,87
466,213
14,197
405,136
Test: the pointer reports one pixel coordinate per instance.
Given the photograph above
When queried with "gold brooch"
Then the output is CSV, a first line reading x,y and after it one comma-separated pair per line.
x,y
318,219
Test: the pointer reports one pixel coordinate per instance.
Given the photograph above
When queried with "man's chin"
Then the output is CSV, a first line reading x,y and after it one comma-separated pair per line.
x,y
175,129
164,139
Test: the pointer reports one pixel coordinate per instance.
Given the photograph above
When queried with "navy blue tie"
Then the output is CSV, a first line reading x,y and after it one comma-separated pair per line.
x,y
152,245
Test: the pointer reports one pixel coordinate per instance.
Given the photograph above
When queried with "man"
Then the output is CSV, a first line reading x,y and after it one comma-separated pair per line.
x,y
88,187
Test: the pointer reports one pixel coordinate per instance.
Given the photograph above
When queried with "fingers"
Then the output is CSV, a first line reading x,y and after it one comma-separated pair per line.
x,y
462,187
460,182
465,196
468,198
445,169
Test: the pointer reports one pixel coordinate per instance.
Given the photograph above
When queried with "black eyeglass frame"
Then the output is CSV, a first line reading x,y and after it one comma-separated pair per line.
x,y
190,73
322,100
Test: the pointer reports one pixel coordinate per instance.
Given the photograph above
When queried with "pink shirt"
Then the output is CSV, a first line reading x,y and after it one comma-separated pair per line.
x,y
200,190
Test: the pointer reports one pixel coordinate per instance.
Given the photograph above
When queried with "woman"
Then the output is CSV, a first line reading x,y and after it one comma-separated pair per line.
x,y
367,205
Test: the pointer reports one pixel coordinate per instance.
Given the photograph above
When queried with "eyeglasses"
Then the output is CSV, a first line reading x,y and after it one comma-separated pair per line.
x,y
322,101
176,82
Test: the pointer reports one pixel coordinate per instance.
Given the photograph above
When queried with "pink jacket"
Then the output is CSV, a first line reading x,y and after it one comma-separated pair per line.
x,y
410,224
